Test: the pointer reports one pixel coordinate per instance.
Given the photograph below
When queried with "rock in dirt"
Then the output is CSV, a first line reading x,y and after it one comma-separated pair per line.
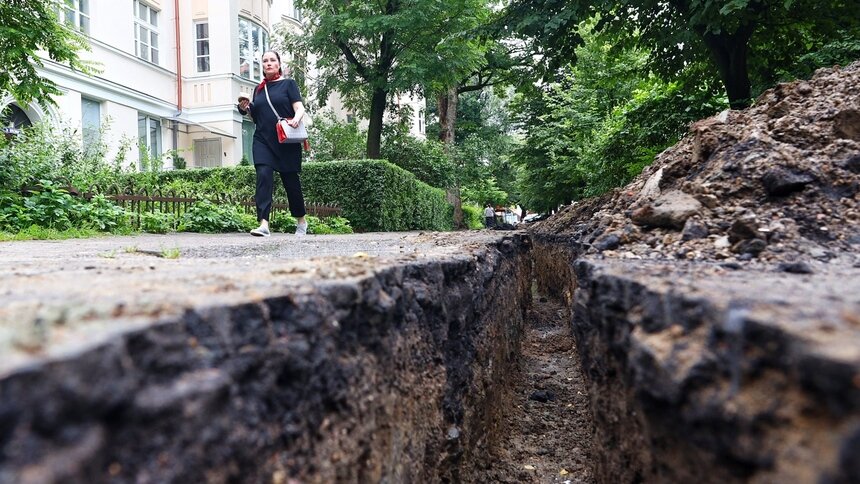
x,y
670,210
795,268
779,182
542,396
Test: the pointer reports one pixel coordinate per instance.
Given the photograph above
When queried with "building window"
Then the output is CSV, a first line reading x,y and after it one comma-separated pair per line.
x,y
145,32
149,139
76,13
207,153
201,34
248,140
91,121
253,41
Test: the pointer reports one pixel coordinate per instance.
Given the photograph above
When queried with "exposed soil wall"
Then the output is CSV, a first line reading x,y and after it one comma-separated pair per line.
x,y
702,374
390,378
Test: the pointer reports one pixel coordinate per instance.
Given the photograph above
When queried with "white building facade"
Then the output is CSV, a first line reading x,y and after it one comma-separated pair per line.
x,y
169,74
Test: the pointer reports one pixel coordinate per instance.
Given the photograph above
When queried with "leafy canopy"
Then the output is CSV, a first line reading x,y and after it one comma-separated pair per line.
x,y
26,28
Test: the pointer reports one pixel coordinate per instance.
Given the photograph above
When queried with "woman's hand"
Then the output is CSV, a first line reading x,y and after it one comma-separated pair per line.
x,y
244,104
299,109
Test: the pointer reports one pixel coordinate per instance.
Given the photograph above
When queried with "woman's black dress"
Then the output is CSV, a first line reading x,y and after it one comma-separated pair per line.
x,y
283,157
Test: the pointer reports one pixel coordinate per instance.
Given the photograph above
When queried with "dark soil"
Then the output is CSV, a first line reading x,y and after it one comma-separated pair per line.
x,y
776,183
547,428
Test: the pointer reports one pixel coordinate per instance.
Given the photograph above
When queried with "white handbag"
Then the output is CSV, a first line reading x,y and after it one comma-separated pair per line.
x,y
287,133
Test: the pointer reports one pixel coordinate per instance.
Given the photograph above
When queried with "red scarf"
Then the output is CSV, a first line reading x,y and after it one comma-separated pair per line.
x,y
263,84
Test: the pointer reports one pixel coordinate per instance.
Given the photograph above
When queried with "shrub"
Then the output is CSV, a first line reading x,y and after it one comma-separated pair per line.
x,y
207,217
473,216
103,215
158,222
378,196
426,159
373,194
335,140
14,216
52,207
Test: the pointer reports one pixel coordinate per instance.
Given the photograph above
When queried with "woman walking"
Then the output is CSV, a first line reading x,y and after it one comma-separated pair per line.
x,y
270,156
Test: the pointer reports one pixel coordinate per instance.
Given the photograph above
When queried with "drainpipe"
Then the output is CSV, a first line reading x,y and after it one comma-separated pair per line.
x,y
178,73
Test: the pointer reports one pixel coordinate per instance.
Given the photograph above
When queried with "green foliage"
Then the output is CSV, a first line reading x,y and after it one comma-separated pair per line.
x,y
207,217
34,232
741,42
42,152
318,226
158,222
335,140
473,216
336,225
426,159
374,195
13,214
378,196
840,52
52,207
369,50
601,124
26,28
103,215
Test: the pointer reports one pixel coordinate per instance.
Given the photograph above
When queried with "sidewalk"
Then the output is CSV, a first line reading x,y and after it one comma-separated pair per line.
x,y
58,295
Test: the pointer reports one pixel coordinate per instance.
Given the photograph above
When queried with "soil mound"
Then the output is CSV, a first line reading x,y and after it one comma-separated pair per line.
x,y
778,182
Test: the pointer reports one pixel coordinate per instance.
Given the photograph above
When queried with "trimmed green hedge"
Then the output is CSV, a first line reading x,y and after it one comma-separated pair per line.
x,y
378,196
374,195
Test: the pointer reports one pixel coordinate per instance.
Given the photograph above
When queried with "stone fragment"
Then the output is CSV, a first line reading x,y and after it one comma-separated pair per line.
x,y
751,246
609,241
779,182
794,267
743,229
651,189
670,210
722,243
852,164
694,229
542,396
846,124
708,200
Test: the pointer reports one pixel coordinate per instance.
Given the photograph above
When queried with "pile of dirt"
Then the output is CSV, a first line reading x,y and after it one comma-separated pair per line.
x,y
777,183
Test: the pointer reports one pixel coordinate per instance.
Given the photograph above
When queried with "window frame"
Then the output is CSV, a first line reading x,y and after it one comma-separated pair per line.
x,y
148,25
250,55
71,12
150,124
198,57
90,134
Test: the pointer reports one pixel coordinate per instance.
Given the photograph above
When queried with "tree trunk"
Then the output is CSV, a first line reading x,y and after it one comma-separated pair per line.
x,y
374,129
730,52
447,104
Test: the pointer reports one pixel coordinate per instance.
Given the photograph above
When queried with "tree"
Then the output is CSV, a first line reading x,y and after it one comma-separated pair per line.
x,y
26,28
728,33
368,51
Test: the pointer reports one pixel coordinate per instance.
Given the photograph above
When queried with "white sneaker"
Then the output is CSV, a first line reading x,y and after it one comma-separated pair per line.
x,y
260,232
302,229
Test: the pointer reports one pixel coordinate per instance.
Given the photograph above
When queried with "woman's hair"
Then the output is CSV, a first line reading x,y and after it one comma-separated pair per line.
x,y
280,66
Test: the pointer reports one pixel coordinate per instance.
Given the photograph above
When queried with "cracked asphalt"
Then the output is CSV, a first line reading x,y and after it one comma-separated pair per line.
x,y
57,297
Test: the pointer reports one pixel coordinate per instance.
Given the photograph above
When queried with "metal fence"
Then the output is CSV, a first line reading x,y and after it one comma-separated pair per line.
x,y
138,201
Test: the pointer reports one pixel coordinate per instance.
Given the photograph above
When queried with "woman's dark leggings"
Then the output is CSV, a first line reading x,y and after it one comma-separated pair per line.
x,y
266,186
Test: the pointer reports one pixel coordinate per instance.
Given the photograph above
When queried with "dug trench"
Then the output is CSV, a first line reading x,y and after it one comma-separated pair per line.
x,y
701,324
450,370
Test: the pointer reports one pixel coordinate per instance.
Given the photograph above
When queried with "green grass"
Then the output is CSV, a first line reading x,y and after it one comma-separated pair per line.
x,y
34,232
40,233
170,253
